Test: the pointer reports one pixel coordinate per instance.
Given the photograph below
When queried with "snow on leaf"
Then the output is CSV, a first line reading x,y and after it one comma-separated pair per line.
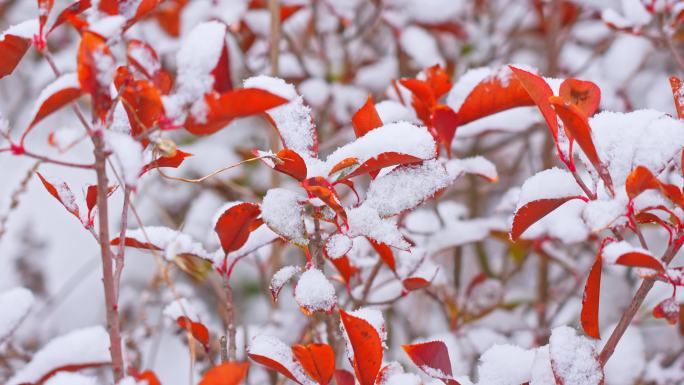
x,y
337,245
227,373
366,221
667,309
172,242
406,187
314,292
61,191
477,165
14,306
280,278
282,212
67,378
275,355
235,224
402,137
95,71
678,95
505,365
79,349
127,155
364,347
318,360
292,120
622,253
573,358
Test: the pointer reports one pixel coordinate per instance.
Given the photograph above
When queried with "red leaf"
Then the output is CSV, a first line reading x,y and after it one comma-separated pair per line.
x,y
415,283
110,7
385,253
197,329
233,104
318,360
637,259
539,92
491,96
137,50
221,73
531,212
70,14
228,373
320,188
235,224
589,317
366,345
445,121
91,51
273,365
132,242
12,50
667,309
44,8
366,118
289,162
433,355
57,99
63,194
386,159
345,269
343,377
173,161
676,85
423,99
91,197
68,368
141,100
584,94
576,123
168,16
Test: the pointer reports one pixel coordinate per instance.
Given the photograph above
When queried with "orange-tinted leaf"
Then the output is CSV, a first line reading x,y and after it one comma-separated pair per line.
x,y
386,159
168,16
438,80
533,211
92,53
491,96
366,118
69,368
539,91
445,121
421,90
234,224
576,123
584,94
110,7
61,92
145,7
343,164
91,197
676,85
318,361
228,373
143,104
290,163
148,376
640,180
320,188
366,346
385,253
12,50
589,317
44,8
432,355
197,329
143,57
166,161
62,193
